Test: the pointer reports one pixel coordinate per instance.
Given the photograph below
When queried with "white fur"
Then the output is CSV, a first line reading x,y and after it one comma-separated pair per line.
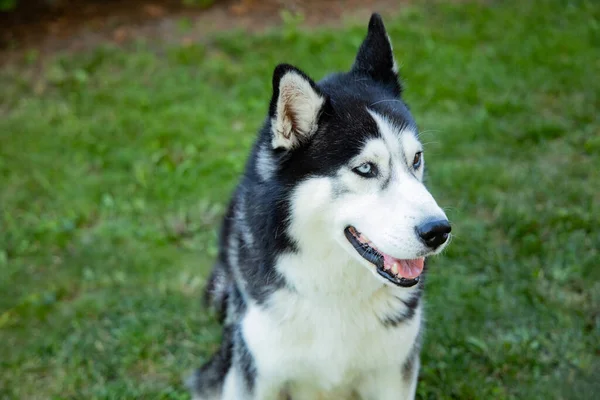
x,y
323,337
400,142
265,165
244,228
233,387
298,97
386,216
328,346
395,64
234,258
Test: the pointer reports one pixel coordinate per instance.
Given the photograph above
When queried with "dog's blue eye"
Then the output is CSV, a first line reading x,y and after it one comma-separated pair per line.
x,y
417,160
367,170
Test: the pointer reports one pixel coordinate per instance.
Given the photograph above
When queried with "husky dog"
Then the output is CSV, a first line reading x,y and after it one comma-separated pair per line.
x,y
319,276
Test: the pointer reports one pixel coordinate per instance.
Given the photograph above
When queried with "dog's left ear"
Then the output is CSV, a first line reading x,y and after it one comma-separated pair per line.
x,y
376,57
295,107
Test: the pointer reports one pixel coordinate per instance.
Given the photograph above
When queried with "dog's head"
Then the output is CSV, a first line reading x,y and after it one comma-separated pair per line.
x,y
348,150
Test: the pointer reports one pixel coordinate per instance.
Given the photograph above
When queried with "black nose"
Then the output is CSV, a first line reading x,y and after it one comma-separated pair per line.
x,y
434,233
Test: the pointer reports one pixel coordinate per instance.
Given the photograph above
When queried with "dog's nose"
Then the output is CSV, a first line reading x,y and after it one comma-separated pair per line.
x,y
434,233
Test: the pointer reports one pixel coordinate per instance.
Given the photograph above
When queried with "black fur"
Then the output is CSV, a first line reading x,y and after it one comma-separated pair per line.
x,y
408,369
216,291
208,380
406,313
255,228
375,56
245,361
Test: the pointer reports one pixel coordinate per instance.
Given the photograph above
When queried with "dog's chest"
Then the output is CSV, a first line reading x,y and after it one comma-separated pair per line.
x,y
326,343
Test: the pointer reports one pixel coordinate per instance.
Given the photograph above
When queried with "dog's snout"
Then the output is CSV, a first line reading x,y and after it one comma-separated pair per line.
x,y
434,233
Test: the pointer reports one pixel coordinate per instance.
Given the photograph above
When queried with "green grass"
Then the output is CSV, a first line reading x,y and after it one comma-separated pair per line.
x,y
116,165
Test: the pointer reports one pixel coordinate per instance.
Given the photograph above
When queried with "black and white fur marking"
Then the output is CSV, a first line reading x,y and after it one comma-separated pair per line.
x,y
336,170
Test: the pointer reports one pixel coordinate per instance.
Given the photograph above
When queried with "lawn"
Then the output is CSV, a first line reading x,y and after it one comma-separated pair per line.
x,y
116,165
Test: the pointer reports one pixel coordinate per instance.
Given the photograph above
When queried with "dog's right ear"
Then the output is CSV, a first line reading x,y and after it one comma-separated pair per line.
x,y
295,107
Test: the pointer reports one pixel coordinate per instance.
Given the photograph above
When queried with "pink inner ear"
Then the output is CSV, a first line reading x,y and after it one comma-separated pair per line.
x,y
297,110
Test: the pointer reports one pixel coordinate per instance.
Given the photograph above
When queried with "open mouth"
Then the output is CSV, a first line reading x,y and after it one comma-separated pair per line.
x,y
404,273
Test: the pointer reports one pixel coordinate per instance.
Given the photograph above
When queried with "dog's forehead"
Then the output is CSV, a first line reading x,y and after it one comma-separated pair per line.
x,y
398,137
373,118
371,112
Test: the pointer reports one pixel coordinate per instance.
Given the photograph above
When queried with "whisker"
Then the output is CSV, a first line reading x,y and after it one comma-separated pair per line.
x,y
420,133
384,101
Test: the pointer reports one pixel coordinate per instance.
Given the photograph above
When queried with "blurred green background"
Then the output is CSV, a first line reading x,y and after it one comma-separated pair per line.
x,y
116,163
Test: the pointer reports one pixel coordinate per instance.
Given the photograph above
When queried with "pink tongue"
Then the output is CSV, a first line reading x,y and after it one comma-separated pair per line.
x,y
408,269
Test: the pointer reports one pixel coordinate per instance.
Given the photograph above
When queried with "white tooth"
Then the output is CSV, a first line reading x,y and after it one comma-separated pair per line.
x,y
395,268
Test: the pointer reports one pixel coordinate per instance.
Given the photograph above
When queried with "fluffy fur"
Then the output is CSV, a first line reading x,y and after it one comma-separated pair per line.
x,y
305,314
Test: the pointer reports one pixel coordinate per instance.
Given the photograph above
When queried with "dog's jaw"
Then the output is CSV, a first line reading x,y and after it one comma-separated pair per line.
x,y
400,272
